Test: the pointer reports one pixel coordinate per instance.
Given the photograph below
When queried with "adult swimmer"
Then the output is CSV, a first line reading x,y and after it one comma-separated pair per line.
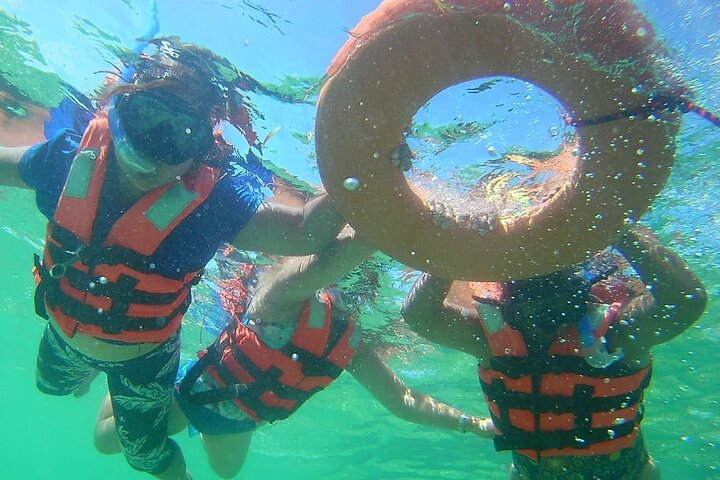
x,y
137,205
563,363
294,339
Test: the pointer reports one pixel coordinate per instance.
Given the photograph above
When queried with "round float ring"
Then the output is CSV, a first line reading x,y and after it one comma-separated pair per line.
x,y
405,52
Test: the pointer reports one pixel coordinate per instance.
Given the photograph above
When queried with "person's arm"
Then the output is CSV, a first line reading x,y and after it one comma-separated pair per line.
x,y
10,166
674,300
408,404
284,230
426,314
296,279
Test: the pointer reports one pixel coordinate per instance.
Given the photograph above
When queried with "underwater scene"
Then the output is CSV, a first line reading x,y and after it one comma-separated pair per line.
x,y
482,141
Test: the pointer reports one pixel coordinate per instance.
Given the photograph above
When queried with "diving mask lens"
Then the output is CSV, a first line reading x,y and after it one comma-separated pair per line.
x,y
162,128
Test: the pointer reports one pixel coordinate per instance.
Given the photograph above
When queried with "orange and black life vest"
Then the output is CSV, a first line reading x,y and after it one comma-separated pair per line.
x,y
108,287
548,401
270,384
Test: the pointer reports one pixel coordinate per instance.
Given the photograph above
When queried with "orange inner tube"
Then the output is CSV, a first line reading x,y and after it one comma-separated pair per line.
x,y
406,51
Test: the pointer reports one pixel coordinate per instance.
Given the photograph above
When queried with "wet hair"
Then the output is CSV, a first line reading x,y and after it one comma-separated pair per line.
x,y
548,301
181,69
207,84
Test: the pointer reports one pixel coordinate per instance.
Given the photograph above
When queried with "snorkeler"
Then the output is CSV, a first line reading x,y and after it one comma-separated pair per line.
x,y
292,341
137,206
564,360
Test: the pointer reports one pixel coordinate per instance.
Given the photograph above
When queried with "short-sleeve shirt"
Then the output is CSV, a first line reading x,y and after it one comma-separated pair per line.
x,y
228,208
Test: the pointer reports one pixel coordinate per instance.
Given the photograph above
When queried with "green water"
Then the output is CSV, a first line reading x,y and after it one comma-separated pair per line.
x,y
343,433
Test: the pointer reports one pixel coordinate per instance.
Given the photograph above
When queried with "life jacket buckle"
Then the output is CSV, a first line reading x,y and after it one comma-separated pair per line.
x,y
59,269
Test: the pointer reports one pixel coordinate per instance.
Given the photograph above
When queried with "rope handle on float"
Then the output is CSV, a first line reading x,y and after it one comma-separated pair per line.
x,y
689,106
656,104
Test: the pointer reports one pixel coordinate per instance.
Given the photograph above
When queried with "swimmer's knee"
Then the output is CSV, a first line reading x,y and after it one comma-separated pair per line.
x,y
106,443
225,468
650,471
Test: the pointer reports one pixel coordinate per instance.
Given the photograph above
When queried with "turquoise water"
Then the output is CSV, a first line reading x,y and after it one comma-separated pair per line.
x,y
343,433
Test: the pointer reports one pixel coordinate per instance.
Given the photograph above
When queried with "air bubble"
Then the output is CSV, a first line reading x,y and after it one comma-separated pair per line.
x,y
351,184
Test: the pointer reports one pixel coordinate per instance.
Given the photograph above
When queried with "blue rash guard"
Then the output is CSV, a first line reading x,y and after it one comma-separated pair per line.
x,y
228,208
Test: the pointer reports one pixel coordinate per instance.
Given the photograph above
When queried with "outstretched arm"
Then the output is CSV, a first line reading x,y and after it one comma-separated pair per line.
x,y
427,315
675,298
283,230
10,166
296,279
406,403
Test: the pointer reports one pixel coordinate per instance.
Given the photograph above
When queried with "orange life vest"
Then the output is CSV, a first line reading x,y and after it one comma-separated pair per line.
x,y
270,384
548,401
108,287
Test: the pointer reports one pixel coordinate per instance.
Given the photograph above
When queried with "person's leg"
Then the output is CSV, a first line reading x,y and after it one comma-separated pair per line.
x,y
226,453
106,440
141,395
177,421
650,471
84,387
60,369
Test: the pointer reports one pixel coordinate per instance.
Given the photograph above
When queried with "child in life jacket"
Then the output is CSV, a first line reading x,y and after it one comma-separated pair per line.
x,y
137,204
564,358
294,339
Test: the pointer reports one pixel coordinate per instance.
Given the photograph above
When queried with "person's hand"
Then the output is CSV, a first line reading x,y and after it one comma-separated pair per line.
x,y
402,156
444,217
643,233
482,427
636,239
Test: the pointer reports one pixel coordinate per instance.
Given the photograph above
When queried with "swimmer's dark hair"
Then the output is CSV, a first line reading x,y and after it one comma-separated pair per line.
x,y
191,72
205,82
559,298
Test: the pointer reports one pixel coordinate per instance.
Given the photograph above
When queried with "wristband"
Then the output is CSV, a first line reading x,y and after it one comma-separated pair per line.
x,y
462,423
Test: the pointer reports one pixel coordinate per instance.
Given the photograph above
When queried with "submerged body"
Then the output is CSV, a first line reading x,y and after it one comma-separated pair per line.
x,y
568,406
289,345
135,210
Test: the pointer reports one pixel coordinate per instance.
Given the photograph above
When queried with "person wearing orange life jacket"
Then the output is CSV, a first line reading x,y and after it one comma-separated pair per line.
x,y
562,371
137,206
290,343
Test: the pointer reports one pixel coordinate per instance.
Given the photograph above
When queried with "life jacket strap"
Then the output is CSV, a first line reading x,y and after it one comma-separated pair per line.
x,y
112,322
42,277
517,439
539,364
558,404
215,395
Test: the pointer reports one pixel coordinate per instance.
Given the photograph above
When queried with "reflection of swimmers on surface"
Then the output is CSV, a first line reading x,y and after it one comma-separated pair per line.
x,y
562,364
137,206
293,341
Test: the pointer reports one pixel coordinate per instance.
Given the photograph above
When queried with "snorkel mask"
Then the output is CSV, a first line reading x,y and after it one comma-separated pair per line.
x,y
167,103
158,127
